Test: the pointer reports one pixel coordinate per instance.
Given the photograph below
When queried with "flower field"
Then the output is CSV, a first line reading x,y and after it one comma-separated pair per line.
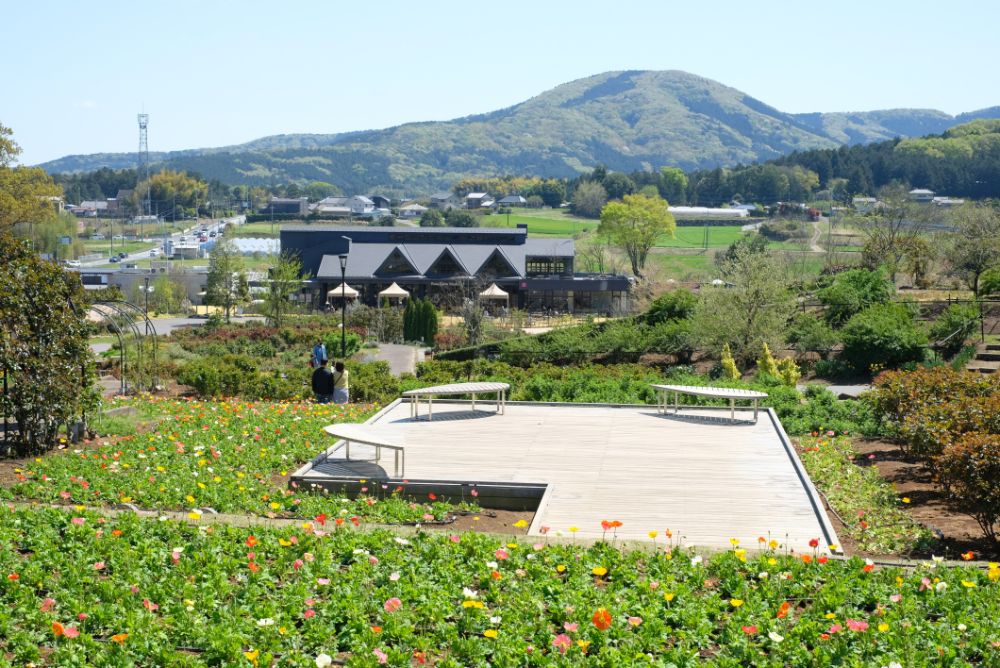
x,y
228,456
80,589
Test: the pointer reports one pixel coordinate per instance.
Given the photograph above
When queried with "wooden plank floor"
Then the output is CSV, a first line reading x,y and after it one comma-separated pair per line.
x,y
706,482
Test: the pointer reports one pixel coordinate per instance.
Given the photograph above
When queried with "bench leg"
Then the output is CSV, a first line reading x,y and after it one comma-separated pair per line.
x,y
732,409
755,411
430,408
473,402
347,441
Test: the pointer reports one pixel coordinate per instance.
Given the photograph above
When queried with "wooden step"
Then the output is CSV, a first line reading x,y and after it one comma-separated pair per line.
x,y
993,347
988,355
983,367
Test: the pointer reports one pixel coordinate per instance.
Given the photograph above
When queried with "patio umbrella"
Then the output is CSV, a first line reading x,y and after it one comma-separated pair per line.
x,y
395,292
342,290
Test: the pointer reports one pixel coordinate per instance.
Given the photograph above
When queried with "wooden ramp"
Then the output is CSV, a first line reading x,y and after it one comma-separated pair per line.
x,y
696,474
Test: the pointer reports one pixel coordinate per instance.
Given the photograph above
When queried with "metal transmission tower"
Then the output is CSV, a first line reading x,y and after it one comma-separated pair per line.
x,y
142,173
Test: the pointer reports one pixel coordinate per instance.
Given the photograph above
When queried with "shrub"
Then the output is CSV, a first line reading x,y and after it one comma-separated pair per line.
x,y
766,363
884,334
953,327
969,469
854,290
372,382
989,282
810,333
673,305
789,371
729,370
333,345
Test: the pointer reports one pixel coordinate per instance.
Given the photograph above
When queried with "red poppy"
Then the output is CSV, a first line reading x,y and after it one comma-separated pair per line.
x,y
806,558
253,567
606,525
601,619
749,630
783,610
968,556
321,519
251,541
432,496
814,542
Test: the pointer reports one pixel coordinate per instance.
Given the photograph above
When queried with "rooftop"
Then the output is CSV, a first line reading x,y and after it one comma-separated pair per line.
x,y
706,481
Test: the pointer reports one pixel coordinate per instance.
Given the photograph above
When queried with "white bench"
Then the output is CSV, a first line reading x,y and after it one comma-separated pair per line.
x,y
500,389
359,433
704,391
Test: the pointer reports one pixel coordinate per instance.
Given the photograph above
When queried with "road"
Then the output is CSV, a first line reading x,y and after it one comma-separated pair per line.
x,y
210,225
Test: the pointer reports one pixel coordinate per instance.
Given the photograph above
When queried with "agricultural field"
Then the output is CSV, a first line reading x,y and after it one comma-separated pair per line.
x,y
543,222
719,236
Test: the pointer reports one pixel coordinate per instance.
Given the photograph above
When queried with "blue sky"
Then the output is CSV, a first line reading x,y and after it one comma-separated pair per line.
x,y
75,74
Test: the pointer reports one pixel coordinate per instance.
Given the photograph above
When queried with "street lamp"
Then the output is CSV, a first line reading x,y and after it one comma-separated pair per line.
x,y
146,290
343,300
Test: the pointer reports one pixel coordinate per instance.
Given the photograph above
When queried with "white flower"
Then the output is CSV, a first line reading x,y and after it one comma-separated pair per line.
x,y
360,551
394,576
177,549
696,559
894,664
491,564
940,587
773,635
162,518
763,575
401,541
323,660
267,621
469,593
495,620
869,562
962,627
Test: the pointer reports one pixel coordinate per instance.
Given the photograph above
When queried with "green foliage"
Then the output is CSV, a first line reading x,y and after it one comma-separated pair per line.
x,y
954,327
617,185
373,382
227,282
461,218
334,342
431,218
238,376
729,368
788,371
810,333
673,305
187,192
284,280
766,363
884,335
634,224
428,322
989,282
852,291
43,345
23,190
969,469
589,198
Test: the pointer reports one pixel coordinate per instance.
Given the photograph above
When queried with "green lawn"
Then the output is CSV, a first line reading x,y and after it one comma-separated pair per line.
x,y
105,246
543,222
249,262
719,236
682,267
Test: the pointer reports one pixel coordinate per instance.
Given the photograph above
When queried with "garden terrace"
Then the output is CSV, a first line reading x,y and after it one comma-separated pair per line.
x,y
705,480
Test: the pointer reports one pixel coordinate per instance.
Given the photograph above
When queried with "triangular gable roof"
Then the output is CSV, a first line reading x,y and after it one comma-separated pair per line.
x,y
400,253
448,251
499,254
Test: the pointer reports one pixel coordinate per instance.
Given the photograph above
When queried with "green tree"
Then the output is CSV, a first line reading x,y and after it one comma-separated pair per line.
x,y
23,190
634,224
552,192
317,190
853,291
284,280
431,218
673,185
884,335
459,218
43,345
588,199
975,244
175,189
618,185
753,309
165,295
227,281
890,231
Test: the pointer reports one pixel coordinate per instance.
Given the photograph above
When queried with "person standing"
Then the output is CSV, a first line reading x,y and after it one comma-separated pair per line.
x,y
322,383
341,394
319,353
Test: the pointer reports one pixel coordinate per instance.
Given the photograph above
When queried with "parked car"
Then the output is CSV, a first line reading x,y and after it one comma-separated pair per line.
x,y
154,252
122,255
72,263
212,233
97,237
115,258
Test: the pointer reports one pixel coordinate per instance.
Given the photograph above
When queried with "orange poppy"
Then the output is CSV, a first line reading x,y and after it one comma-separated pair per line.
x,y
57,629
601,619
783,610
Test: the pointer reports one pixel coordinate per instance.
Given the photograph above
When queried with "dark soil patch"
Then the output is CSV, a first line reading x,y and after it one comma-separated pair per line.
x,y
957,533
491,521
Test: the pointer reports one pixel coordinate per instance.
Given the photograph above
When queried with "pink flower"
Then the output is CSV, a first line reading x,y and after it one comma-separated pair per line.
x,y
895,598
47,604
427,517
836,628
99,566
380,655
925,584
571,626
297,564
857,625
310,602
392,605
474,492
323,581
78,521
308,556
82,616
537,547
309,613
372,560
501,554
749,630
134,589
454,539
71,632
635,621
149,605
562,642
65,495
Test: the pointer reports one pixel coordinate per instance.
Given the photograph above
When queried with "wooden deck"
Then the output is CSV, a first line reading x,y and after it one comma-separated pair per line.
x,y
707,481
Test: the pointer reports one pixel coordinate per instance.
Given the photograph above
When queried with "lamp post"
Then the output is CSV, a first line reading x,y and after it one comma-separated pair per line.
x,y
146,290
343,300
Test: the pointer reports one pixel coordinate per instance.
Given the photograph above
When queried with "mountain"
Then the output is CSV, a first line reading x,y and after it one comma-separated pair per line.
x,y
625,120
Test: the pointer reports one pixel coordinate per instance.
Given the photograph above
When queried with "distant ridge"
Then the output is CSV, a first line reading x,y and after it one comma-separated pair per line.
x,y
625,120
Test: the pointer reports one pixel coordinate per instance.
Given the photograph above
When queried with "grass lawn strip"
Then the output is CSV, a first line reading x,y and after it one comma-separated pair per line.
x,y
91,590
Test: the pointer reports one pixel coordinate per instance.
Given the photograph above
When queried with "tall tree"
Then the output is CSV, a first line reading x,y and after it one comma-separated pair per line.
x,y
174,190
23,190
890,230
589,198
754,308
975,244
673,184
618,185
284,281
227,281
634,224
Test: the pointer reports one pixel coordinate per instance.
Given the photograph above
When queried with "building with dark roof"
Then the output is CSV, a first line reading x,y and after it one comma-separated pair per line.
x,y
448,264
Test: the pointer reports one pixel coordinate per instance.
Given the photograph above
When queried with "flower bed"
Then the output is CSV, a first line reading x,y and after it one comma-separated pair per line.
x,y
871,511
228,456
79,589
